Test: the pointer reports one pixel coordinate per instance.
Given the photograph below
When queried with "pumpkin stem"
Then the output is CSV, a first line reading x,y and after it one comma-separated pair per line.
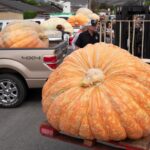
x,y
43,36
92,77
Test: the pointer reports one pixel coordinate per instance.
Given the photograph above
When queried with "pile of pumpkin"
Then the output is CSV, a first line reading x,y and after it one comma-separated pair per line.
x,y
99,92
28,34
82,17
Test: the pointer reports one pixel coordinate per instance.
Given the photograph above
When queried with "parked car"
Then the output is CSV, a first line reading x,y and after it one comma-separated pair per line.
x,y
21,69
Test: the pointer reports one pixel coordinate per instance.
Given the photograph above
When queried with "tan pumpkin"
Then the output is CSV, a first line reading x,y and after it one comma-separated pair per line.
x,y
1,41
78,20
16,25
24,34
51,24
99,92
94,16
85,11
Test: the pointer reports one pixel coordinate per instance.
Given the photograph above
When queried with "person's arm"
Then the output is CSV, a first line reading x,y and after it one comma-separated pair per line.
x,y
98,40
66,37
74,40
113,34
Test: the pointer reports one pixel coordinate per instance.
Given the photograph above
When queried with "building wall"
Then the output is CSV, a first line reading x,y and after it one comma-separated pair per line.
x,y
10,15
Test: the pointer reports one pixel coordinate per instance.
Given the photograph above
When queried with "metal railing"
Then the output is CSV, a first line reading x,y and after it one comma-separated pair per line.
x,y
124,33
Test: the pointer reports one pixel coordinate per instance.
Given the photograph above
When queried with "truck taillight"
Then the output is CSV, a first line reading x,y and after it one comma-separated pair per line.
x,y
70,40
53,66
50,61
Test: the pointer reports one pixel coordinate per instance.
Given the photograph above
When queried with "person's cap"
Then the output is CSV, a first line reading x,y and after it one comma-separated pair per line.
x,y
92,23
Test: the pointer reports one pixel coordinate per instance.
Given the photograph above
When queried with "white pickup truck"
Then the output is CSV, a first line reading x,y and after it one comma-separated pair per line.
x,y
21,69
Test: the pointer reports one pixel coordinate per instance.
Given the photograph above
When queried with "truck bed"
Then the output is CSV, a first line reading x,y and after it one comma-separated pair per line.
x,y
33,64
142,144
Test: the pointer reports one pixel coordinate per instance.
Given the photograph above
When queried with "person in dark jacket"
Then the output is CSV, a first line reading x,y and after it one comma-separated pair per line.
x,y
138,40
90,36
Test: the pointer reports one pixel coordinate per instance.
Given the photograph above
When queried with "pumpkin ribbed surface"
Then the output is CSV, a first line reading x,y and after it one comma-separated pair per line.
x,y
99,92
24,34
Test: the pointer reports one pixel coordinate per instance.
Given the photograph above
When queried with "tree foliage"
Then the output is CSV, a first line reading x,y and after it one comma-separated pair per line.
x,y
29,14
147,3
31,2
96,7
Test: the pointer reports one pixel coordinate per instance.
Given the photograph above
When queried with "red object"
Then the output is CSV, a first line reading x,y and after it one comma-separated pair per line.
x,y
52,66
70,40
48,131
50,61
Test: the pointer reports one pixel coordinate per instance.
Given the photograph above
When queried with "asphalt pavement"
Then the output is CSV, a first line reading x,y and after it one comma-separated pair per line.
x,y
19,128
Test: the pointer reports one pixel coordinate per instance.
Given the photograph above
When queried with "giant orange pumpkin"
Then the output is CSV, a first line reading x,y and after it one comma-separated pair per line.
x,y
99,92
24,34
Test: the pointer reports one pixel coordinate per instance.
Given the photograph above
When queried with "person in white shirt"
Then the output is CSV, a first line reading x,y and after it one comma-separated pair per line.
x,y
109,32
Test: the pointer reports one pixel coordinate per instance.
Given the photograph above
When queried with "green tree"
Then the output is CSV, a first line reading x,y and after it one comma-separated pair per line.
x,y
31,2
103,6
29,14
147,3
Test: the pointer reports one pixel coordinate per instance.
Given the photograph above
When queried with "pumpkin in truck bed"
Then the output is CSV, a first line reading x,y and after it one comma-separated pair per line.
x,y
23,34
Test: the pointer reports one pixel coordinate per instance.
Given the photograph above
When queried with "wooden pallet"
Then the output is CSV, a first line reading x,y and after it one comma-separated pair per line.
x,y
48,131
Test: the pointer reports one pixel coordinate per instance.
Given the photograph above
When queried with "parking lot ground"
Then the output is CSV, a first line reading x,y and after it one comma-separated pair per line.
x,y
19,127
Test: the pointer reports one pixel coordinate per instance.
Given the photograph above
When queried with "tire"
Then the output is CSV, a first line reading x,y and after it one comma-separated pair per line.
x,y
13,90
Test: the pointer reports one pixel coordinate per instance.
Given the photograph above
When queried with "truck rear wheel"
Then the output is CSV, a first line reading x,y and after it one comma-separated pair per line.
x,y
12,90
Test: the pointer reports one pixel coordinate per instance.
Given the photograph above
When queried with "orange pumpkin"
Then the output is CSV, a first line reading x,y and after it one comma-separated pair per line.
x,y
99,92
24,34
78,20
